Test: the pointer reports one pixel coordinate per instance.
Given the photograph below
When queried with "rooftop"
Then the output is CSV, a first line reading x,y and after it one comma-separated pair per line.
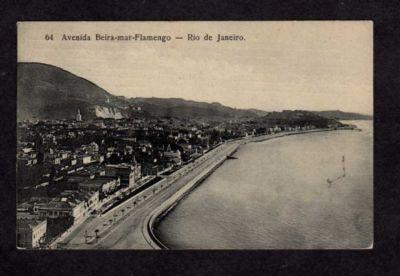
x,y
28,222
98,181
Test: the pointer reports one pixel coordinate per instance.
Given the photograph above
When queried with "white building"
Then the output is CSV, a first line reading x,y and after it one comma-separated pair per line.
x,y
79,116
30,232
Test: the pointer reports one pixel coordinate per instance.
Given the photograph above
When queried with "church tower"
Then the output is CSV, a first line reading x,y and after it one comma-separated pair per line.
x,y
79,116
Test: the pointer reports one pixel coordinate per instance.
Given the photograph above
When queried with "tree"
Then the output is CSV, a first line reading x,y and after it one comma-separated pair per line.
x,y
97,234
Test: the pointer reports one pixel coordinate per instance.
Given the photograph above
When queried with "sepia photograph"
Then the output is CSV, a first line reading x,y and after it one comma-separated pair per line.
x,y
181,135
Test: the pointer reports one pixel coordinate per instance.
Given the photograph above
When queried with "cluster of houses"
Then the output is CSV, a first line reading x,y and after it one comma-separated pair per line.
x,y
41,219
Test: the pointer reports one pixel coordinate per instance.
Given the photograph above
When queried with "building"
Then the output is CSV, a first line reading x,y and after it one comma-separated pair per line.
x,y
89,149
86,159
30,232
187,148
127,173
64,208
76,204
63,154
174,156
79,116
145,144
68,209
105,185
92,200
26,157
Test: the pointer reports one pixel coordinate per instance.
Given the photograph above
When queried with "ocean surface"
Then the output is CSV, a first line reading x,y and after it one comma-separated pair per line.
x,y
276,196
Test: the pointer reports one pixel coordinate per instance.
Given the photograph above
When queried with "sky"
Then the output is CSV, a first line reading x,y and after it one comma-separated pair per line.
x,y
310,65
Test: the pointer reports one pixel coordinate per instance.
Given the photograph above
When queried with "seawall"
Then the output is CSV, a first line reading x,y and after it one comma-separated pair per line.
x,y
168,205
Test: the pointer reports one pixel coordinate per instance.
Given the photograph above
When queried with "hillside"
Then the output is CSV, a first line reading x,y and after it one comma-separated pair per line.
x,y
180,108
340,115
46,91
295,118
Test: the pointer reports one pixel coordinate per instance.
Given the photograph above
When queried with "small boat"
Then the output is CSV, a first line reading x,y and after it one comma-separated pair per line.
x,y
231,157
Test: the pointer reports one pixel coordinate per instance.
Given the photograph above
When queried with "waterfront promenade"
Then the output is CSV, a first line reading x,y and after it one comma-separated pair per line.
x,y
129,226
125,226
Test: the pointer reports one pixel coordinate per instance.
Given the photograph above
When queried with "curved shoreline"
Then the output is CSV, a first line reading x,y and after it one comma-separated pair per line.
x,y
168,205
161,211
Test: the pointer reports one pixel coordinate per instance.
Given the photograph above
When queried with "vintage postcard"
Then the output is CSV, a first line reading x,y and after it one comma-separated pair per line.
x,y
195,135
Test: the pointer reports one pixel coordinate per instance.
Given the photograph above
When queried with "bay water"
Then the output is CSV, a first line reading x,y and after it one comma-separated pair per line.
x,y
276,196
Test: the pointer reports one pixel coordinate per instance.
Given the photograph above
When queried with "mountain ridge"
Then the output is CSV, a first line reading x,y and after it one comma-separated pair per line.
x,y
342,115
46,91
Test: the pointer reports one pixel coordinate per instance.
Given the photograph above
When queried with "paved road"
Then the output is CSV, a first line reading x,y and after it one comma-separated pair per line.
x,y
123,229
